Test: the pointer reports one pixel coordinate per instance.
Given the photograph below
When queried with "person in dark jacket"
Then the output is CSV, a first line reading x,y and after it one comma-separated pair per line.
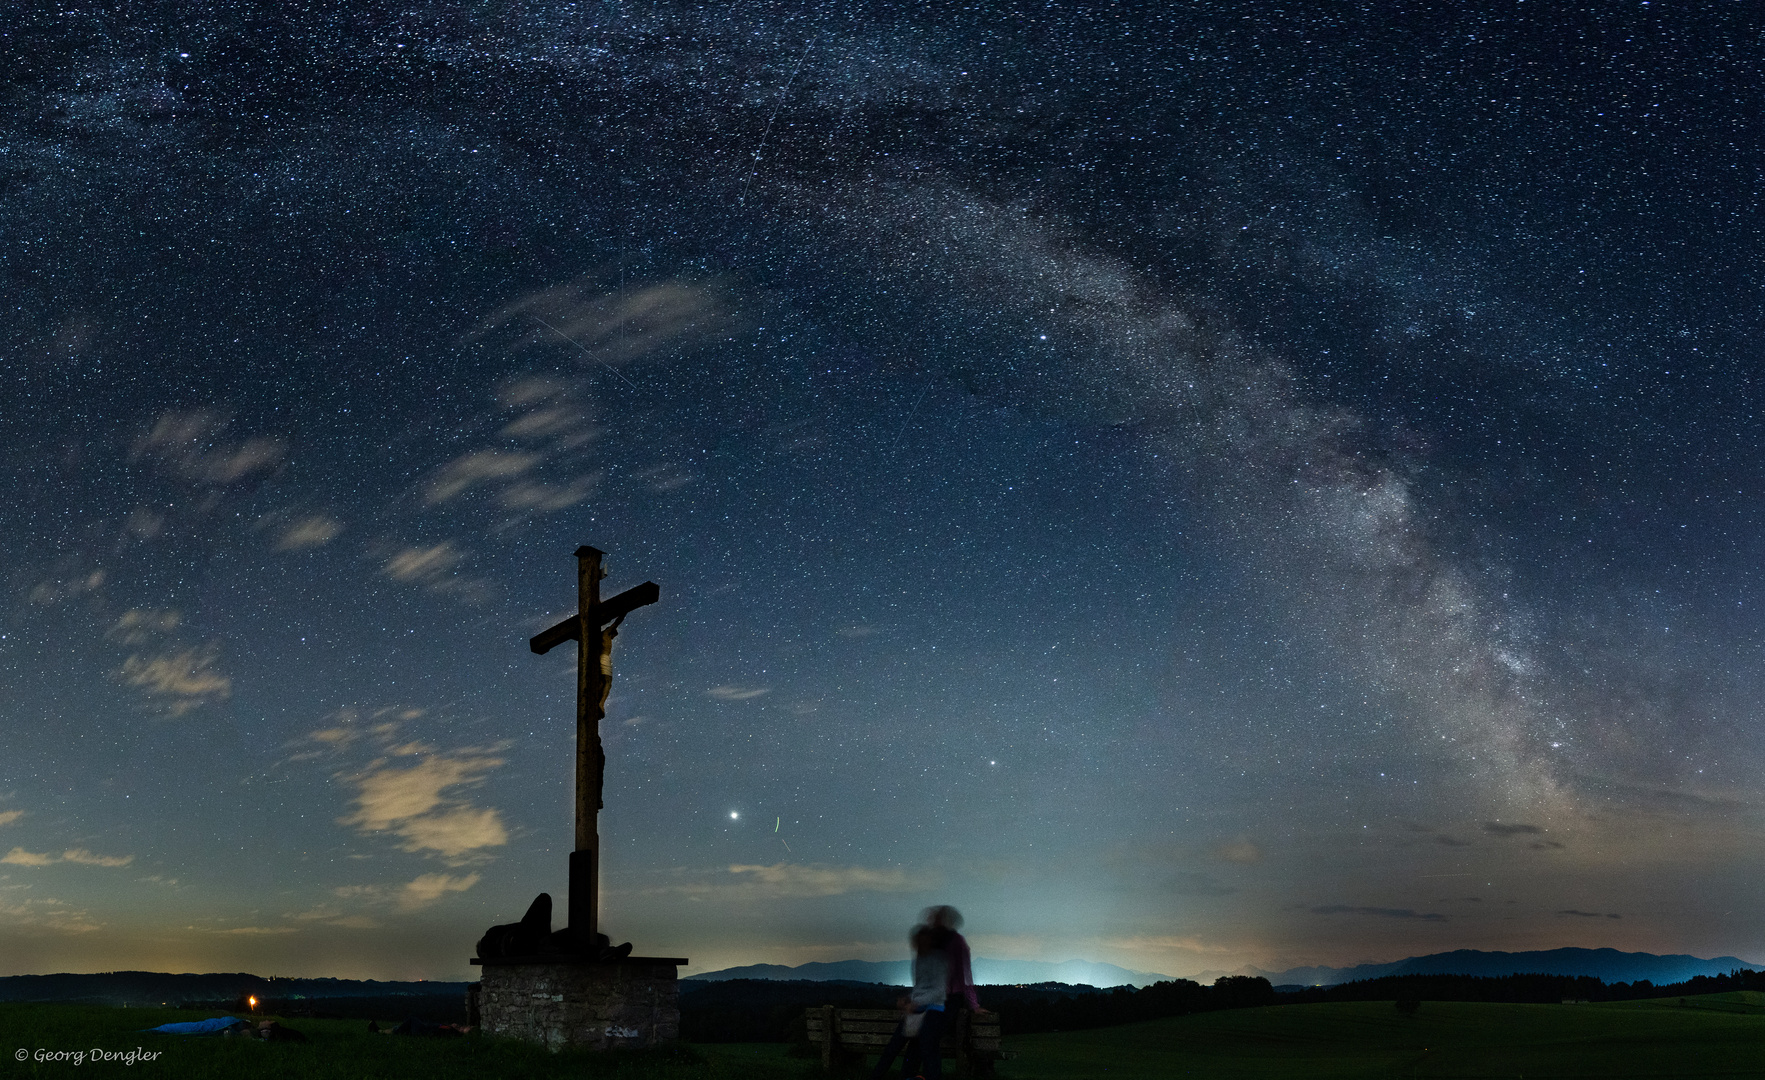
x,y
922,1012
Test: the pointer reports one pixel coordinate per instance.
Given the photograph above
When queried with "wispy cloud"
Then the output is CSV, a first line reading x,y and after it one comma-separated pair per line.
x,y
390,795
546,411
413,895
742,882
334,916
532,495
549,410
191,445
20,857
665,477
1380,912
81,855
421,805
1498,828
48,914
350,724
176,677
795,880
423,564
144,523
309,532
412,793
428,888
552,420
138,625
67,586
617,326
1188,883
183,680
7,817
475,468
737,693
454,832
1240,850
337,736
536,391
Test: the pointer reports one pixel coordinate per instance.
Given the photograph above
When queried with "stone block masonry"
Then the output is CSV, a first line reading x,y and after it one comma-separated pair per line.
x,y
627,1004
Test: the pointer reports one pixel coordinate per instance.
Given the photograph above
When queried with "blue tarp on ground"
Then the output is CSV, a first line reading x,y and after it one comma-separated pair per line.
x,y
199,1027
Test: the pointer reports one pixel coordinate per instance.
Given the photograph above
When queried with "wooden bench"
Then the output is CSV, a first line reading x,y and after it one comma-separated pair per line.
x,y
843,1034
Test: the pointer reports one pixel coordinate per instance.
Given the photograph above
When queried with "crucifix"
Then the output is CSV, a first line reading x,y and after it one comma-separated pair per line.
x,y
593,628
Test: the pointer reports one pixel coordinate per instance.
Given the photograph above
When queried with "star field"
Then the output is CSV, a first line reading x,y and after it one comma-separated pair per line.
x,y
1195,489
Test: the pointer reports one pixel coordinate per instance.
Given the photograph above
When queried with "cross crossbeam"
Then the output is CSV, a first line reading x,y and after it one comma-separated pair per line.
x,y
608,610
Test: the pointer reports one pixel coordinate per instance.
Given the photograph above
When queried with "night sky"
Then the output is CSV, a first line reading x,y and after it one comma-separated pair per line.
x,y
1237,485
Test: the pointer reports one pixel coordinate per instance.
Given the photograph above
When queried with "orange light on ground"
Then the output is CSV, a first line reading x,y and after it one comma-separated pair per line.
x,y
252,1001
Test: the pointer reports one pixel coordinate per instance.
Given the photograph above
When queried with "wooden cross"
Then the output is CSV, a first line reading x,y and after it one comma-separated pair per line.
x,y
593,628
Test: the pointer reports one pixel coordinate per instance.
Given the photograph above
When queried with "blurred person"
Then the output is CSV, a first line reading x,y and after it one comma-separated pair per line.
x,y
945,922
922,1012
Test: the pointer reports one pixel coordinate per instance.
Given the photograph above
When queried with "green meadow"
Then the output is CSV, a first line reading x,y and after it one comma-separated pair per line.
x,y
334,1050
1719,1035
1713,1036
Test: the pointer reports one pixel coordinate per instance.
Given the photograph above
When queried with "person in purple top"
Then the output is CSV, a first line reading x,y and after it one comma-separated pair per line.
x,y
945,922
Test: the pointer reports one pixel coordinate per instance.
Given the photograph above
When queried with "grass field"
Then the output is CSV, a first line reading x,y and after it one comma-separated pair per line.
x,y
1717,1036
338,1050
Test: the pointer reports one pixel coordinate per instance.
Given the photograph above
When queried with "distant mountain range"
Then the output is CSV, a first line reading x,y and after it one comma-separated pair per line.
x,y
986,972
1607,965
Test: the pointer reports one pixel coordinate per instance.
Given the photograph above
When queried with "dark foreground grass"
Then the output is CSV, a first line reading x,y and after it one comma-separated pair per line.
x,y
1720,1035
336,1050
1716,1036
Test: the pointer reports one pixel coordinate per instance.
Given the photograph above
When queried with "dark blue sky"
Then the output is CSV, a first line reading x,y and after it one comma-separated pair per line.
x,y
1194,489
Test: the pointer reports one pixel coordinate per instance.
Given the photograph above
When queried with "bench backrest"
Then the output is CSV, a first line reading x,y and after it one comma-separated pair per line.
x,y
869,1030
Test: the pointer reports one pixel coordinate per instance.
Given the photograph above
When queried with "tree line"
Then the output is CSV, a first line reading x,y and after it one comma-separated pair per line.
x,y
1524,989
761,1010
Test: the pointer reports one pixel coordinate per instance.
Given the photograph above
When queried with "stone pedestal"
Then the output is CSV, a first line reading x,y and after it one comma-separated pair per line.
x,y
623,1004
